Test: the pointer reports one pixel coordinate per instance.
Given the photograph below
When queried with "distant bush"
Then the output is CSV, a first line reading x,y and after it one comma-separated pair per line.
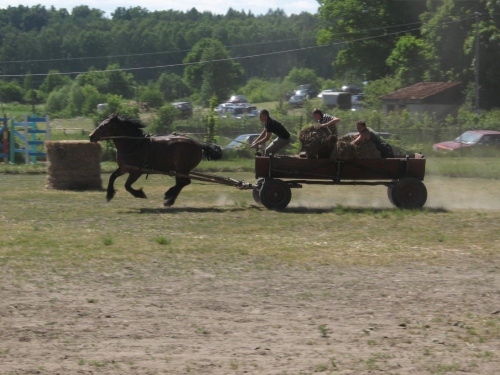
x,y
11,92
166,115
153,97
58,100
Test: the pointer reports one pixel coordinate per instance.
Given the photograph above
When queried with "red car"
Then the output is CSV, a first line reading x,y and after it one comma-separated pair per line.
x,y
471,139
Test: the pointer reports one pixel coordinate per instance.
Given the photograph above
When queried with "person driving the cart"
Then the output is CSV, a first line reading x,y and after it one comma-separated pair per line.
x,y
368,134
326,120
271,126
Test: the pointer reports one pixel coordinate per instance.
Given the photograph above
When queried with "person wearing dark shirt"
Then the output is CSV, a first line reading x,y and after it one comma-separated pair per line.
x,y
271,126
368,134
326,120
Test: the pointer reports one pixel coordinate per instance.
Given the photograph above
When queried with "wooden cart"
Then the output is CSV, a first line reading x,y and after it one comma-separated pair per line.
x,y
403,176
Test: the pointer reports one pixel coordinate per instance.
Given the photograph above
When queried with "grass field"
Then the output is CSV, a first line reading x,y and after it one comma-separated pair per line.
x,y
340,282
228,217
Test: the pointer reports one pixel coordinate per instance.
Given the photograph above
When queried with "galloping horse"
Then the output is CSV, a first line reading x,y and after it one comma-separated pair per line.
x,y
139,154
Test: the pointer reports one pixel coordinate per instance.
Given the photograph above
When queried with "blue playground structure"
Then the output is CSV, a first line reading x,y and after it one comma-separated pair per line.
x,y
25,134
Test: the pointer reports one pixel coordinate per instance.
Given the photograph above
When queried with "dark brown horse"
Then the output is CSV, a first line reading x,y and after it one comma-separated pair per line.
x,y
139,154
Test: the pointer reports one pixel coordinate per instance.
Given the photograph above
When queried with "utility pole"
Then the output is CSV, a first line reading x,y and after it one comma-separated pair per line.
x,y
476,67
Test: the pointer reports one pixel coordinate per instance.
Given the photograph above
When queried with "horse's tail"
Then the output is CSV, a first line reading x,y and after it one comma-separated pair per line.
x,y
211,151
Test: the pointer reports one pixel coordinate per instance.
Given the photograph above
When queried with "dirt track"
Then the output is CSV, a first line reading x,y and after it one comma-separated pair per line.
x,y
151,318
416,320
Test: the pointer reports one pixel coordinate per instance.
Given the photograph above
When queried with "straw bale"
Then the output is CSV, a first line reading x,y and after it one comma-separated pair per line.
x,y
73,165
347,151
317,141
367,150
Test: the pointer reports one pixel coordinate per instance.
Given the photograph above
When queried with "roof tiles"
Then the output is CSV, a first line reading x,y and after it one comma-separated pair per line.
x,y
421,90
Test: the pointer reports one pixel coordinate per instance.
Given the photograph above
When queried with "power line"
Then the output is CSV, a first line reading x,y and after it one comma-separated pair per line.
x,y
234,58
187,50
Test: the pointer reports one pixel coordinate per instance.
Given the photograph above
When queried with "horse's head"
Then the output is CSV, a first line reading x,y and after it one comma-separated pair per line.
x,y
106,128
115,126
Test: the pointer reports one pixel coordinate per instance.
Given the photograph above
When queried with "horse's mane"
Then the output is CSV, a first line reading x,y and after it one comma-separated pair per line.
x,y
133,124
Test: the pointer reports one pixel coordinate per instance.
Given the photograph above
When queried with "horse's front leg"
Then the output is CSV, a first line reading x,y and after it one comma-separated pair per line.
x,y
111,189
132,177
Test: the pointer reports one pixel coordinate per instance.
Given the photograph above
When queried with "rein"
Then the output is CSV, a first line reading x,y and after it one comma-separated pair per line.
x,y
124,137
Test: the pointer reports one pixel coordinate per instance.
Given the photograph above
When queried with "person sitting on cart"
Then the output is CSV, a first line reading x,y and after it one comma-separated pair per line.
x,y
368,134
326,120
271,126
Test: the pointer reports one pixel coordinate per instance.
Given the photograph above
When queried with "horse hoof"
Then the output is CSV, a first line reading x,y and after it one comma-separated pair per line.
x,y
168,203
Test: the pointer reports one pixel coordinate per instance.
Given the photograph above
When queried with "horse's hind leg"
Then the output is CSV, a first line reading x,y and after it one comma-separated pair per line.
x,y
110,191
173,192
132,177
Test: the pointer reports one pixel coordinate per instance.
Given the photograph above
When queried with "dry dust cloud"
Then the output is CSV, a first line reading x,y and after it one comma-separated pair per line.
x,y
442,193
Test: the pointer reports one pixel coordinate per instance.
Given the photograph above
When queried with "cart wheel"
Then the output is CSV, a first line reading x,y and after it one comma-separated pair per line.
x,y
390,190
275,194
256,195
408,193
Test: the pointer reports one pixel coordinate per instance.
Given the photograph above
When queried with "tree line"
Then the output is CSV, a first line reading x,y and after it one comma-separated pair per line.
x,y
38,40
171,55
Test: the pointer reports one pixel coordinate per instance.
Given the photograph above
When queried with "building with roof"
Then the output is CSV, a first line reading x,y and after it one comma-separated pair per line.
x,y
434,98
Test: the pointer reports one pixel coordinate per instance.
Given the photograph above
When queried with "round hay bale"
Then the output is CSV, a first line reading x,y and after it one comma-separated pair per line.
x,y
317,141
73,165
367,150
347,151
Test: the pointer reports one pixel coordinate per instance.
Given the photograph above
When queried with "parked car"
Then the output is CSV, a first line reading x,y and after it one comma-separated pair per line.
x,y
241,141
320,95
238,110
297,100
307,89
302,92
185,107
237,99
469,140
340,100
358,98
353,89
221,108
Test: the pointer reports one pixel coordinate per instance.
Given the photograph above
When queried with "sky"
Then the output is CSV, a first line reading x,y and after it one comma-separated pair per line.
x,y
257,7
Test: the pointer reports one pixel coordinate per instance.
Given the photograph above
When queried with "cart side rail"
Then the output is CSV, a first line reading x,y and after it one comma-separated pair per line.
x,y
337,170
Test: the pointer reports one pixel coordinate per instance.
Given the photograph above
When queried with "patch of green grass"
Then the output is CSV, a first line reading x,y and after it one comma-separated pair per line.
x,y
372,362
81,229
441,368
323,330
162,241
107,241
482,167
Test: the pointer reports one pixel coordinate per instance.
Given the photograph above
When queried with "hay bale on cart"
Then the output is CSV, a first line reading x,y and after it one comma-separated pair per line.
x,y
318,142
347,151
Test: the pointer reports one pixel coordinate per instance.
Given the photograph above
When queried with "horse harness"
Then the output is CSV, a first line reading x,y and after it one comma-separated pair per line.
x,y
135,149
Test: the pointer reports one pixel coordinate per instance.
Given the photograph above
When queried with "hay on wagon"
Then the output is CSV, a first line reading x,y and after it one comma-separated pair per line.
x,y
73,165
347,151
319,142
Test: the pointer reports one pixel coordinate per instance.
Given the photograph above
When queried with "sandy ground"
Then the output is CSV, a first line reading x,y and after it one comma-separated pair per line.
x,y
334,320
418,320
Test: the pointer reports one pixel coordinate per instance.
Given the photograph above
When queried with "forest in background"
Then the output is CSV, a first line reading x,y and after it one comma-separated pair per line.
x,y
71,60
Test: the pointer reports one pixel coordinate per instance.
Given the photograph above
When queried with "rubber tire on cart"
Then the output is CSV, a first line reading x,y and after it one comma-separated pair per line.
x,y
275,194
408,193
